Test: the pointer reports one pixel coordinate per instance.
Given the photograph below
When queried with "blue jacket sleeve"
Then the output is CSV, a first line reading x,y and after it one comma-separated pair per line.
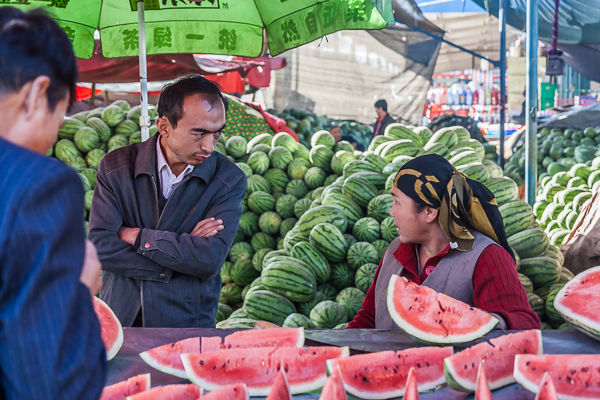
x,y
50,344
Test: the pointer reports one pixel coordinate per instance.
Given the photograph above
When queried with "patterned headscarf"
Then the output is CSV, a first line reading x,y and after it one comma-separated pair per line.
x,y
432,181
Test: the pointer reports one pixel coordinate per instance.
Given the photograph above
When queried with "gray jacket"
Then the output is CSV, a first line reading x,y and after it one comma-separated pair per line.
x,y
172,277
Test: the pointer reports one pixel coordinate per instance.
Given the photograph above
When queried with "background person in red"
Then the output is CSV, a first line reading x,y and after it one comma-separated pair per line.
x,y
452,240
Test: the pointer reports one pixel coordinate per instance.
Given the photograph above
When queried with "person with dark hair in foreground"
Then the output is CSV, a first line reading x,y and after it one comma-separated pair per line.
x,y
165,212
383,118
451,239
50,343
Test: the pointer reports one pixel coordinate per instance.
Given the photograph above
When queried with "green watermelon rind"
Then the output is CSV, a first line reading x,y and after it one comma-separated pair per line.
x,y
583,324
433,339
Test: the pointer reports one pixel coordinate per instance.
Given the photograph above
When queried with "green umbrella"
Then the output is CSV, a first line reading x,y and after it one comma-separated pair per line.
x,y
230,27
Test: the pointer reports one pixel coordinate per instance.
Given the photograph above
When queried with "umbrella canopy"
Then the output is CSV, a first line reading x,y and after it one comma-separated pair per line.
x,y
233,27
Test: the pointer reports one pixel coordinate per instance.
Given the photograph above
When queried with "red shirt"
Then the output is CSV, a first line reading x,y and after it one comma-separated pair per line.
x,y
378,125
497,288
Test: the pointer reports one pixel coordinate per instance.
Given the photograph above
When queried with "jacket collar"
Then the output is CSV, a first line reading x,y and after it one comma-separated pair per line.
x,y
146,163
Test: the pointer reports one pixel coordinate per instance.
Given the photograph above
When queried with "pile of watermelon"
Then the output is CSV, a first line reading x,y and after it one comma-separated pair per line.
x,y
86,137
316,224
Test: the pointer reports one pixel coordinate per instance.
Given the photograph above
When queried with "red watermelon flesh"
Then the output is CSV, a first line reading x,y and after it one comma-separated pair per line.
x,y
411,392
119,391
169,392
231,392
210,344
280,390
546,390
575,376
258,367
483,391
111,329
167,358
282,337
383,375
334,387
434,317
499,356
578,302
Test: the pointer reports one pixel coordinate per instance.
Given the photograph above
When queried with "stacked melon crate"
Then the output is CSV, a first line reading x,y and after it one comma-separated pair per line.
x,y
316,223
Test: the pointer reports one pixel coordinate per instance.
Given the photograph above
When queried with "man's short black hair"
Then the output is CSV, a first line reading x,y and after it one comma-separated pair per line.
x,y
382,104
170,103
32,45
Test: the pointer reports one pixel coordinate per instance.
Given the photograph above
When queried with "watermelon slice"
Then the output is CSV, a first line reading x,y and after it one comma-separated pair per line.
x,y
334,387
499,355
167,358
578,302
112,331
210,344
169,392
434,317
483,391
282,337
231,392
546,390
575,376
257,367
411,392
281,388
119,391
383,375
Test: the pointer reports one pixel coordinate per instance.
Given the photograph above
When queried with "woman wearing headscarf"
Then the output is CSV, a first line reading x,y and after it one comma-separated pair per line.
x,y
451,239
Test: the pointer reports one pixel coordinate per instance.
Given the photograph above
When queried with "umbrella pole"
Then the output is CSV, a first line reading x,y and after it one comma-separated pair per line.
x,y
531,104
144,118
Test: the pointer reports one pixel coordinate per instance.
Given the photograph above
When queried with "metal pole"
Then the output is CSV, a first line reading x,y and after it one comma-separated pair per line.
x,y
502,16
93,98
144,118
532,82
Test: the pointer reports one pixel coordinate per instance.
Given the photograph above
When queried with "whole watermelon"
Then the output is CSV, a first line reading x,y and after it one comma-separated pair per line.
x,y
94,157
117,141
126,128
86,139
100,127
113,115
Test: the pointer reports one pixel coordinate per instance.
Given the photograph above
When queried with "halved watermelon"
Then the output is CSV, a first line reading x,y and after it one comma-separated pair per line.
x,y
334,387
231,392
211,343
499,356
282,337
280,390
546,390
167,358
112,331
383,375
575,376
411,392
257,367
578,302
169,392
433,317
131,386
483,391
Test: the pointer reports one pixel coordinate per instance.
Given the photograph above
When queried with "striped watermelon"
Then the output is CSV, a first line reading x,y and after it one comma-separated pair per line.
x,y
423,135
257,183
328,314
359,166
100,127
330,241
366,230
292,238
529,243
445,136
301,207
243,273
280,157
291,280
476,171
306,252
361,253
65,149
360,191
377,179
403,147
350,240
260,202
526,282
249,224
553,316
231,293
297,168
277,179
328,290
381,246
306,308
340,159
379,208
259,162
315,177
262,241
542,271
342,276
464,158
241,251
517,216
322,214
377,141
374,159
265,305
297,320
70,128
389,231
322,137
263,138
504,189
285,205
127,128
269,222
537,304
434,148
365,276
286,140
298,188
398,131
351,210
257,260
351,301
321,156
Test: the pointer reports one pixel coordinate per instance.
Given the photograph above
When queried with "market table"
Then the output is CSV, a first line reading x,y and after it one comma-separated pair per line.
x,y
127,363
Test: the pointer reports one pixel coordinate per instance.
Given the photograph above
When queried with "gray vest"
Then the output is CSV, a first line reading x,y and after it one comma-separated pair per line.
x,y
453,276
